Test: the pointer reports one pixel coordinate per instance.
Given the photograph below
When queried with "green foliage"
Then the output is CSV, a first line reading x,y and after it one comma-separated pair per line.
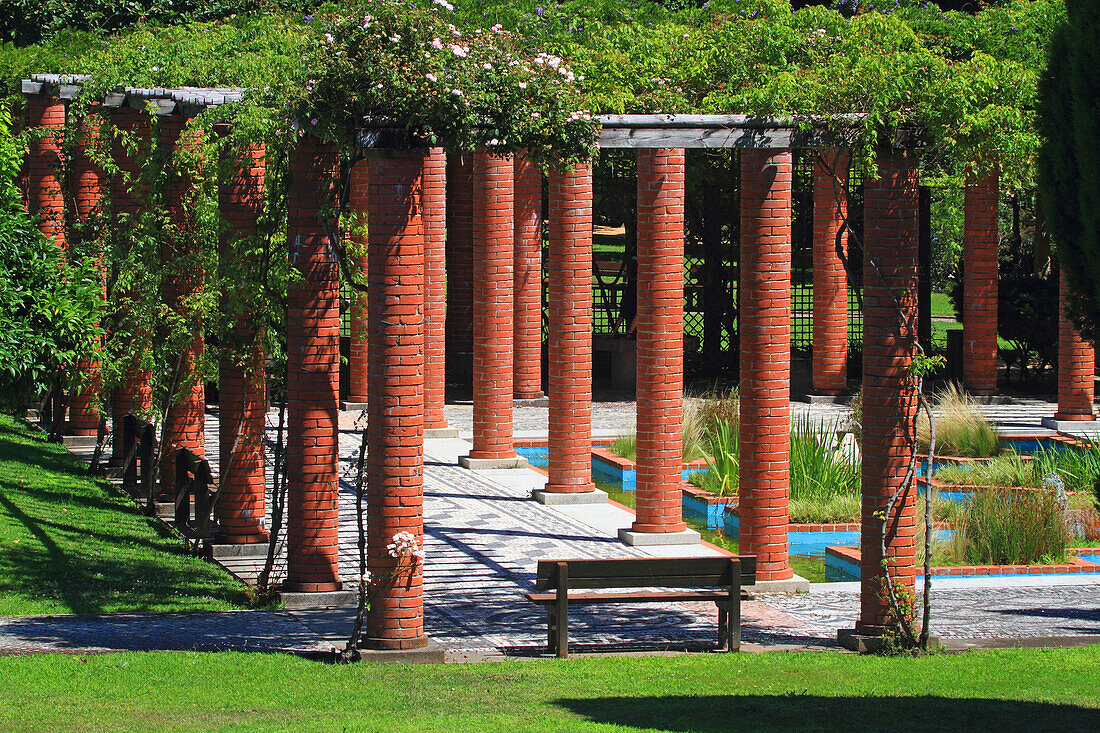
x,y
49,308
30,21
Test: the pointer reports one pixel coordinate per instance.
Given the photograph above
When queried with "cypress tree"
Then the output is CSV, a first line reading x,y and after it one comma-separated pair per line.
x,y
1069,159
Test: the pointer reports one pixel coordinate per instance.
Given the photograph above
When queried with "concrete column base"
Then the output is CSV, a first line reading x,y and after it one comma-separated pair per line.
x,y
353,406
539,401
793,584
658,539
855,641
428,653
435,433
294,601
488,464
824,399
553,498
243,559
1084,426
78,441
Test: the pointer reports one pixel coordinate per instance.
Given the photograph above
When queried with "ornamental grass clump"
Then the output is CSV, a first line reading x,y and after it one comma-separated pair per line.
x,y
722,463
961,430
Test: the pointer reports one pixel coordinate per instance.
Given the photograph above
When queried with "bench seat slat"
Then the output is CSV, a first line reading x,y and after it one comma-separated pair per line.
x,y
646,572
701,595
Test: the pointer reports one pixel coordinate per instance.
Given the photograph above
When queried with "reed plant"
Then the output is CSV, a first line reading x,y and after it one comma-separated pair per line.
x,y
824,483
626,445
724,443
1078,467
1008,527
961,430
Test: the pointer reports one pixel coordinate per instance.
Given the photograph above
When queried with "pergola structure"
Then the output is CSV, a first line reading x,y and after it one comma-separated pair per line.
x,y
458,224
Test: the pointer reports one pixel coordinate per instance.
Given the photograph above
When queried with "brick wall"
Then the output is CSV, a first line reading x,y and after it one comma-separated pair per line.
x,y
660,378
127,193
358,359
492,277
765,326
889,398
980,238
242,403
183,424
88,186
313,328
527,280
570,347
395,474
435,287
830,317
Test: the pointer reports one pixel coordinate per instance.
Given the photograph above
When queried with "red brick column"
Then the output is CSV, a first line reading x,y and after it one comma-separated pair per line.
x,y
242,403
45,198
184,420
570,348
660,390
765,359
980,238
313,363
830,352
889,398
134,393
358,360
460,267
1076,366
89,185
435,288
527,281
493,232
395,423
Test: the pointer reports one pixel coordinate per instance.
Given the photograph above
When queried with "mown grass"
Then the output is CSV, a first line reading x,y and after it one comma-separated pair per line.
x,y
73,544
1009,689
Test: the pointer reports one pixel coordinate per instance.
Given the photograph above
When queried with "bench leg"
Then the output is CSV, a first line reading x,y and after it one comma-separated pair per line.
x,y
734,643
562,624
723,629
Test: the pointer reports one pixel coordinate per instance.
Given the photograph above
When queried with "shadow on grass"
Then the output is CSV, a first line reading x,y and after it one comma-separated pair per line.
x,y
74,544
707,713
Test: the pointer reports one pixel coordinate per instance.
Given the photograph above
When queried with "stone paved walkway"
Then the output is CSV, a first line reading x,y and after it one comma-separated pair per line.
x,y
483,538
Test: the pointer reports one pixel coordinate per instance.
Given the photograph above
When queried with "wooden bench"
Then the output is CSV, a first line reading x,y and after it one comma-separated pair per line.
x,y
724,577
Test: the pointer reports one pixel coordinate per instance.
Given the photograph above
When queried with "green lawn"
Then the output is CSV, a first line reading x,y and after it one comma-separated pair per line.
x,y
72,544
1012,689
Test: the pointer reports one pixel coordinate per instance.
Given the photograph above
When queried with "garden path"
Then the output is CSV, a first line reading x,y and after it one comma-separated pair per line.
x,y
483,537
